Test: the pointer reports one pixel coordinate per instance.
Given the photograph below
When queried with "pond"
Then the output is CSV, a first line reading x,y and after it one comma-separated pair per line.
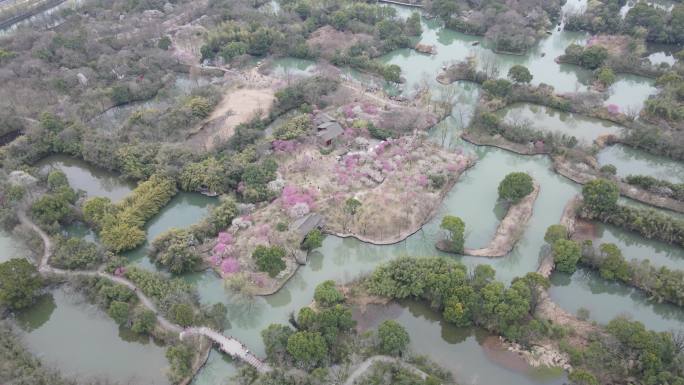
x,y
183,210
11,247
474,199
94,181
629,91
631,161
606,300
661,57
289,67
470,353
659,253
66,332
547,119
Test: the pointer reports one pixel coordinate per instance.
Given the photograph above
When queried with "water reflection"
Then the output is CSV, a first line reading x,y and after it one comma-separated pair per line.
x,y
65,331
630,161
83,176
39,314
547,119
606,300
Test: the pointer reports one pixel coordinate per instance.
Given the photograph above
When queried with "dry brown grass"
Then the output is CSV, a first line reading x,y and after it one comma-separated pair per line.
x,y
327,40
238,106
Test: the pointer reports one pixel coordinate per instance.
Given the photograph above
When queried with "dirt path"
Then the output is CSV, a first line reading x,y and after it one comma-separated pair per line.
x,y
365,365
359,90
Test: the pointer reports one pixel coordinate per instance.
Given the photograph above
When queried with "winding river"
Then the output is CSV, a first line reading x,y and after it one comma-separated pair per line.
x,y
468,353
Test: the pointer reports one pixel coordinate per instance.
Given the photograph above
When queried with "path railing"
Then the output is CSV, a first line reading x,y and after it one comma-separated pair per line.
x,y
229,345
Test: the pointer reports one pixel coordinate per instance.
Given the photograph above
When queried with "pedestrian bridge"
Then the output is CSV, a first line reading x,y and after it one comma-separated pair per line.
x,y
229,345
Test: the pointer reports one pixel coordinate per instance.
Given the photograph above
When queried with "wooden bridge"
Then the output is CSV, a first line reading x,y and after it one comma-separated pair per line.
x,y
230,346
401,3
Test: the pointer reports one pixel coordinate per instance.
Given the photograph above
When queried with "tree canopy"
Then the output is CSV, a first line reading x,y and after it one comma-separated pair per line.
x,y
20,283
269,259
601,195
393,338
515,186
454,227
520,74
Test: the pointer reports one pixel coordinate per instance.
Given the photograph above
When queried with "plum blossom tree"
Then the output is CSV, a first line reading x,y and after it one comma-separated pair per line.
x,y
230,266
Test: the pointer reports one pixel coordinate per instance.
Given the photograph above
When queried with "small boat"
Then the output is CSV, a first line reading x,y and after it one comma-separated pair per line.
x,y
475,43
205,191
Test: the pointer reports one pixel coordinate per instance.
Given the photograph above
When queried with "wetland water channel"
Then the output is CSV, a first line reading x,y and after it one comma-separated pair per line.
x,y
55,329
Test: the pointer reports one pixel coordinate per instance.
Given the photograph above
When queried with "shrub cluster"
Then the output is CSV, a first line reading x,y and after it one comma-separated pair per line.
x,y
600,202
120,225
463,298
658,186
661,283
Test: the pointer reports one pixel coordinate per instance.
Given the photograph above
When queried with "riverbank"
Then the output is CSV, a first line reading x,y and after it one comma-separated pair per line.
x,y
45,269
509,230
587,174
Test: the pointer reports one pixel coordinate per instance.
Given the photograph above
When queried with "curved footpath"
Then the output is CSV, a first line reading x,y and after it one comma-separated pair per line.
x,y
228,344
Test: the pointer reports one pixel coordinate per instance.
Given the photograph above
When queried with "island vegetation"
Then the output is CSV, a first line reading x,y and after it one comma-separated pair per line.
x,y
185,97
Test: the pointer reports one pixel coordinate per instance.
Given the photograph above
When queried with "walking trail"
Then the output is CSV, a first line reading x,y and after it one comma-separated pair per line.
x,y
227,344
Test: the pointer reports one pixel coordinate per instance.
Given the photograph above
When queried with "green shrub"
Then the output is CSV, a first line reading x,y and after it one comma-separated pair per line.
x,y
515,186
269,259
175,249
600,195
393,338
520,74
608,170
119,311
378,133
326,294
294,128
455,227
20,284
75,253
307,348
499,88
120,224
144,321
313,240
566,254
554,233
